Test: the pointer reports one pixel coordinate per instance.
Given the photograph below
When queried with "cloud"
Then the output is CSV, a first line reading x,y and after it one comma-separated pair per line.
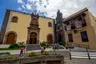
x,y
50,7
20,1
23,6
76,5
19,8
28,6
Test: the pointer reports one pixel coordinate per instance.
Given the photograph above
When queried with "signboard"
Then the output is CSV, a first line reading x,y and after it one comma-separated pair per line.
x,y
68,27
78,24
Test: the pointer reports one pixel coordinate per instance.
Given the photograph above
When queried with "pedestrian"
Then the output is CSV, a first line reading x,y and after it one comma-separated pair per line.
x,y
43,49
21,52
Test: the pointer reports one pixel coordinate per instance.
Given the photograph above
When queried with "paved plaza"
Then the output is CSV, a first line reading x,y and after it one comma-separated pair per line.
x,y
66,52
79,61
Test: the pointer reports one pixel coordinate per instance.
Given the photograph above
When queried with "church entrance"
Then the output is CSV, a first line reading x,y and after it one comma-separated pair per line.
x,y
11,38
33,38
59,37
50,39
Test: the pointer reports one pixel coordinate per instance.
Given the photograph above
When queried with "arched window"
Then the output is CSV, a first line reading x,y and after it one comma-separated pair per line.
x,y
49,24
14,19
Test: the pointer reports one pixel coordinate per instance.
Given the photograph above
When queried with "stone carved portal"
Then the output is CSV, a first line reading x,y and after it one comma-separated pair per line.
x,y
33,38
33,30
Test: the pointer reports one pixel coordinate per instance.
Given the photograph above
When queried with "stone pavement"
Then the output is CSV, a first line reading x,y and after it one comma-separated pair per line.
x,y
79,61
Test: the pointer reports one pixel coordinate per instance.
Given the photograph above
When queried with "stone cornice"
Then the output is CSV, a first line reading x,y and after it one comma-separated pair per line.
x,y
75,15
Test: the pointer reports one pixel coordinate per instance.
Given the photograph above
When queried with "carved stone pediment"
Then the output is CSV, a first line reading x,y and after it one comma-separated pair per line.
x,y
34,20
33,28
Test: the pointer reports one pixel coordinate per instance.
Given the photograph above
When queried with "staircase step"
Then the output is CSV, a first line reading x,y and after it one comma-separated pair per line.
x,y
33,47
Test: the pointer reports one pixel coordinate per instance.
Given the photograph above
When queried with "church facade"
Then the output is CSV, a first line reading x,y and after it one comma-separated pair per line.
x,y
27,28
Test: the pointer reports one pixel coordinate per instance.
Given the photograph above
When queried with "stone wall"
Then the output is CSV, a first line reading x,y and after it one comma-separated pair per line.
x,y
4,46
50,59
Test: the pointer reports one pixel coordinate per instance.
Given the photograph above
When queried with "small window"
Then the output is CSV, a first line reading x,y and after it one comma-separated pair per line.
x,y
84,36
49,24
70,37
14,19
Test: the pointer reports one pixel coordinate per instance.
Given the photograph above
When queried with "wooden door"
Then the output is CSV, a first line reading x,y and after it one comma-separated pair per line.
x,y
33,38
50,39
11,38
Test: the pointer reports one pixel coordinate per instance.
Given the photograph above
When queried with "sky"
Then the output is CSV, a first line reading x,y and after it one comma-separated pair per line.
x,y
46,8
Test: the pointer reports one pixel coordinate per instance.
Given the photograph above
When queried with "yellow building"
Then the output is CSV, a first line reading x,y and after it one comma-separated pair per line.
x,y
27,28
80,29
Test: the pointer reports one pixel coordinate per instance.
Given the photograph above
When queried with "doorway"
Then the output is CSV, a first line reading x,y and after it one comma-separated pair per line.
x,y
11,38
50,39
33,38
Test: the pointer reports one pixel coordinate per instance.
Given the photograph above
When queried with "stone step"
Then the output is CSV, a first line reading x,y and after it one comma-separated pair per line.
x,y
33,47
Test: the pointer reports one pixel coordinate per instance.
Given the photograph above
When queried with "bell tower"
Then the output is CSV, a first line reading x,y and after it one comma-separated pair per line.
x,y
59,28
33,30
